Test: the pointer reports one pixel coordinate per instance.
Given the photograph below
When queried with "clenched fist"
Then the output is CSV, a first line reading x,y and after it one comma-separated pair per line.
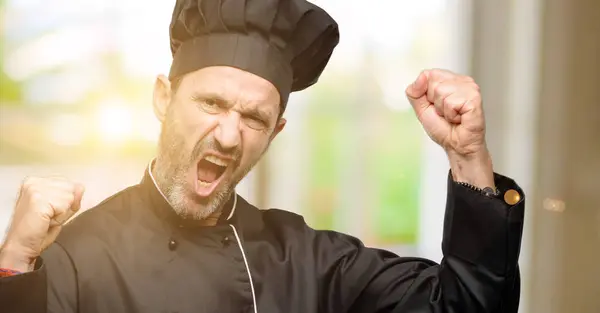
x,y
449,107
43,206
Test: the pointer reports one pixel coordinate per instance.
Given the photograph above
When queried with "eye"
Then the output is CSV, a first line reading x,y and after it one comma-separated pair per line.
x,y
210,105
255,122
210,102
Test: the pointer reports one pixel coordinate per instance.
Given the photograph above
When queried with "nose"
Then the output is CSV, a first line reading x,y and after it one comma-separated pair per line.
x,y
227,132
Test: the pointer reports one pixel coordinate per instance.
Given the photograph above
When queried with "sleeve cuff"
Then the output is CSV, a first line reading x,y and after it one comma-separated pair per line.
x,y
24,292
485,230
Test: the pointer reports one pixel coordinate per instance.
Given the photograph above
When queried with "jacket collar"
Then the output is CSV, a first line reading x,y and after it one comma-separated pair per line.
x,y
237,210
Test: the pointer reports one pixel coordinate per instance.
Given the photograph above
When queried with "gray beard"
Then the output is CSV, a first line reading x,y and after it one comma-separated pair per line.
x,y
176,196
183,201
170,178
172,165
171,168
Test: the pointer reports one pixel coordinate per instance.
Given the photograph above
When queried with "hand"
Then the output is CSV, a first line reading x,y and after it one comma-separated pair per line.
x,y
43,206
449,107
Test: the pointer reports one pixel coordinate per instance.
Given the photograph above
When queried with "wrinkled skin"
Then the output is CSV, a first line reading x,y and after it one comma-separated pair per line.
x,y
221,110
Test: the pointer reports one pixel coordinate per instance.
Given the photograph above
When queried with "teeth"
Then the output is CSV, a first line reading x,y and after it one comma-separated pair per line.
x,y
216,160
203,183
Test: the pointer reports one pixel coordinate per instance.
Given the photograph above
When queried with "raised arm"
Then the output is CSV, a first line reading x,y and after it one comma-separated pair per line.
x,y
36,282
482,227
479,271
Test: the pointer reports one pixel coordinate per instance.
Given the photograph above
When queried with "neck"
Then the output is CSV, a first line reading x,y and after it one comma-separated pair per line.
x,y
211,220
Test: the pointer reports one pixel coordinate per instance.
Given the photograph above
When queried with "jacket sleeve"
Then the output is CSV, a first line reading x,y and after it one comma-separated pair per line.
x,y
50,288
478,273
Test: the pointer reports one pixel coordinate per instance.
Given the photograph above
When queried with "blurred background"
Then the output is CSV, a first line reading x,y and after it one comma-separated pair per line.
x,y
76,83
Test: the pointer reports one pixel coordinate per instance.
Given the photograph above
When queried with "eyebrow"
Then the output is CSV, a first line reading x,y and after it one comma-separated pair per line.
x,y
199,95
253,111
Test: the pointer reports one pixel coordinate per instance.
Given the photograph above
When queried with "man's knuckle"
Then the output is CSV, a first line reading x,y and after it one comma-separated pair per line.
x,y
468,79
34,195
439,89
476,100
69,199
450,102
29,182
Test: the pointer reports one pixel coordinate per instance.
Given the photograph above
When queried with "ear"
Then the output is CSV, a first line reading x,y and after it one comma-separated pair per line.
x,y
161,97
278,128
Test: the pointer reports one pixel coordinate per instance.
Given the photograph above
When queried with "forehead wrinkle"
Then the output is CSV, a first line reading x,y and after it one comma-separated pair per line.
x,y
213,91
253,101
251,95
239,100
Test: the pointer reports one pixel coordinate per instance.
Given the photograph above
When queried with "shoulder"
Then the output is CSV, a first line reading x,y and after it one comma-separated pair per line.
x,y
104,218
295,227
279,218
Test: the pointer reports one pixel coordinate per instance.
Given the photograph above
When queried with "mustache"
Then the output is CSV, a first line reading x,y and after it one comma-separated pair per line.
x,y
212,144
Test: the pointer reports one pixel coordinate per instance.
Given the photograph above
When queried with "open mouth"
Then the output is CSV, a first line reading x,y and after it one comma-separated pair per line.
x,y
210,172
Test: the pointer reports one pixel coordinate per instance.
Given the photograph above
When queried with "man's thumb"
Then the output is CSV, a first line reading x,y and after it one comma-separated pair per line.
x,y
78,193
418,88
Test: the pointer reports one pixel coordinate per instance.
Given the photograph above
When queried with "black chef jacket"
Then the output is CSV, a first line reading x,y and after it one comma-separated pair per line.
x,y
133,254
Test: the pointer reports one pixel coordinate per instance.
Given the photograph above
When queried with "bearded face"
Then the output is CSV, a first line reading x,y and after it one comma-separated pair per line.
x,y
216,125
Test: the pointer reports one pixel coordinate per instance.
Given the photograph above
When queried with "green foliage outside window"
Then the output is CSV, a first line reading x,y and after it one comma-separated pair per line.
x,y
391,150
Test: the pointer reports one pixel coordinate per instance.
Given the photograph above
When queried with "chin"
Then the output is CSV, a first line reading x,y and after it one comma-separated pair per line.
x,y
203,207
199,214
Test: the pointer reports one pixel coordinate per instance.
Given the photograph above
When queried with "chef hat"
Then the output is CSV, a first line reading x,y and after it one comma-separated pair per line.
x,y
287,42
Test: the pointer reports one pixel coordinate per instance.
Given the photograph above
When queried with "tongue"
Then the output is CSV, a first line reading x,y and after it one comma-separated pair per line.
x,y
208,172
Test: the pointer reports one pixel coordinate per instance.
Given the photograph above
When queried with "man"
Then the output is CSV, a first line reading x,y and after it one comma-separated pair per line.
x,y
183,241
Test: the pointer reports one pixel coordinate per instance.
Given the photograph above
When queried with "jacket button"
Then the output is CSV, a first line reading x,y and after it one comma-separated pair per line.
x,y
172,245
512,197
226,241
